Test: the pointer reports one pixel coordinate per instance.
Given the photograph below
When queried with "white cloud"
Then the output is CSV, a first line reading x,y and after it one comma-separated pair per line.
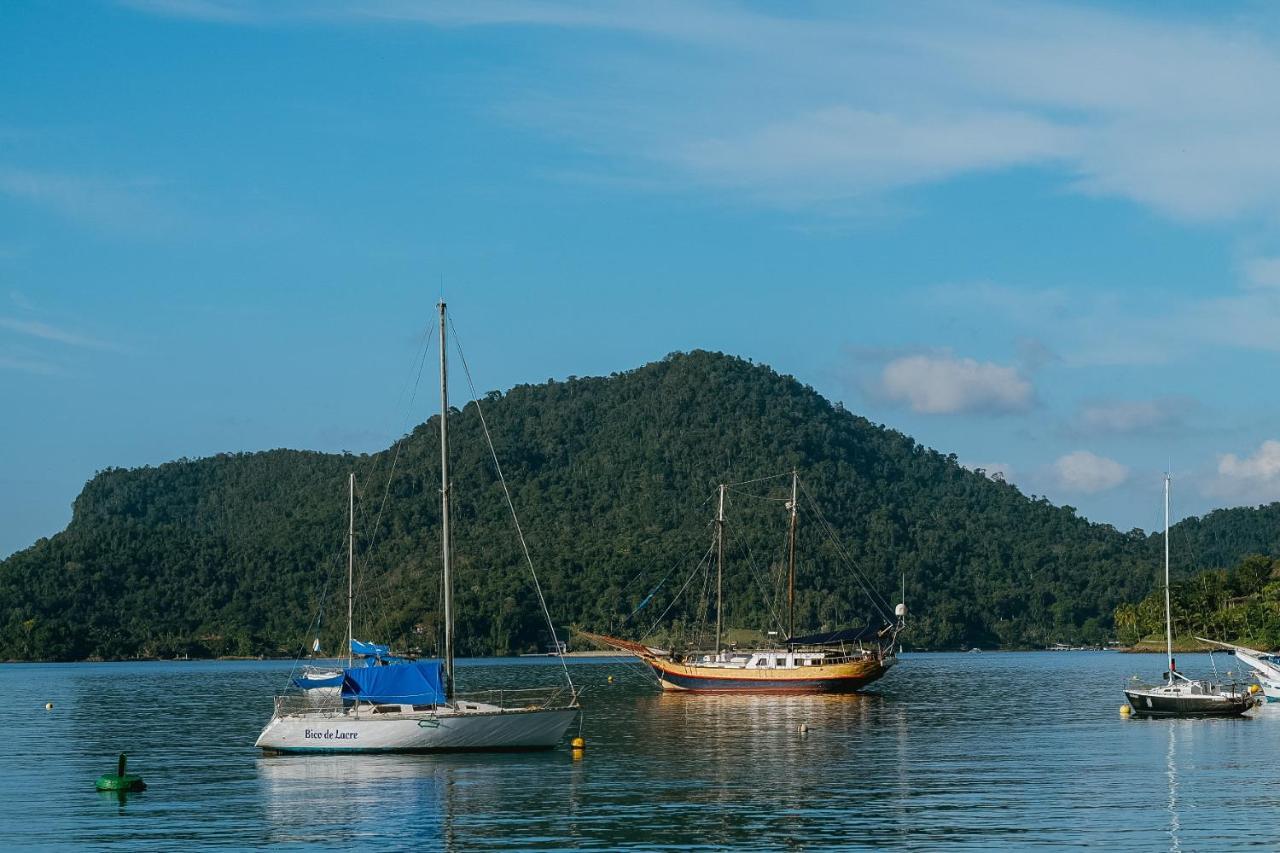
x,y
936,385
1127,416
1262,272
840,152
1088,473
1249,479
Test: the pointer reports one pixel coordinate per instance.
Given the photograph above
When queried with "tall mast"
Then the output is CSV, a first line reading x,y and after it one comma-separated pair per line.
x,y
791,562
351,558
446,551
719,567
1168,611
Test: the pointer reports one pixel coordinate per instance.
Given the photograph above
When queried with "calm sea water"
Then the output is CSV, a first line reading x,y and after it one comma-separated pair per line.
x,y
1014,751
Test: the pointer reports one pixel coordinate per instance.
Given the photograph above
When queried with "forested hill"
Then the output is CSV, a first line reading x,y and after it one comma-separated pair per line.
x,y
613,478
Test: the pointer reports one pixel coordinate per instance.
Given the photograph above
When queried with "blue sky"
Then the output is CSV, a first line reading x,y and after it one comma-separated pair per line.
x,y
1042,237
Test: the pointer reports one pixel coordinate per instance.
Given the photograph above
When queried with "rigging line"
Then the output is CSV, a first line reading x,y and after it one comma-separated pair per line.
x,y
653,591
692,574
704,604
757,497
654,561
475,398
758,480
755,575
877,601
373,537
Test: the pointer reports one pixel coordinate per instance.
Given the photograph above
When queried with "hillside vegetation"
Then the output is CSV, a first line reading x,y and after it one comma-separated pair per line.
x,y
613,478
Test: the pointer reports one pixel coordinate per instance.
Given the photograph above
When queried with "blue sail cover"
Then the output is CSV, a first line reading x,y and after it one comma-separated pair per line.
x,y
416,683
373,650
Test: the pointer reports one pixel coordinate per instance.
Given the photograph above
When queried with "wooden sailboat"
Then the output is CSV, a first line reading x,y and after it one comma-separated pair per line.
x,y
839,661
1180,696
411,706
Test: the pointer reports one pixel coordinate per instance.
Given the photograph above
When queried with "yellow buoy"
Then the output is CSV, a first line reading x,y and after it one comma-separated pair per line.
x,y
1253,688
1125,710
611,679
48,706
578,743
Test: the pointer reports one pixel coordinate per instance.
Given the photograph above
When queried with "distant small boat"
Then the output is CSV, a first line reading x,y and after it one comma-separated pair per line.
x,y
1180,696
1266,667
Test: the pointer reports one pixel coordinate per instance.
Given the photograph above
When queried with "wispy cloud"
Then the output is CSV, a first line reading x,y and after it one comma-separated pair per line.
x,y
21,301
1133,327
1099,417
44,331
118,207
29,365
805,106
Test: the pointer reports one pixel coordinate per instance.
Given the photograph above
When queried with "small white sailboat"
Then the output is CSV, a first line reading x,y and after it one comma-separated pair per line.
x,y
324,683
411,706
1180,696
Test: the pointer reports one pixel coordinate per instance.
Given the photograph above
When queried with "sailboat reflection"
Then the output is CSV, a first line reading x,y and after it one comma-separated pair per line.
x,y
1172,771
457,800
332,799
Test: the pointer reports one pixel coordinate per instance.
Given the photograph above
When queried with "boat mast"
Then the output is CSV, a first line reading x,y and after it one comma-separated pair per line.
x,y
351,557
445,550
719,567
1168,612
791,562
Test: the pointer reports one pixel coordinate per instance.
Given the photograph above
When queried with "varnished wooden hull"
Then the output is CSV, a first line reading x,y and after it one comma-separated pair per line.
x,y
845,677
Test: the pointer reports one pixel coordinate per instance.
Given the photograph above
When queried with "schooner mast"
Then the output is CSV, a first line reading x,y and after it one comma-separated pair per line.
x,y
719,567
351,559
791,560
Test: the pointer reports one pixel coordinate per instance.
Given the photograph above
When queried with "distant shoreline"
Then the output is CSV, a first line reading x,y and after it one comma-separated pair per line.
x,y
590,654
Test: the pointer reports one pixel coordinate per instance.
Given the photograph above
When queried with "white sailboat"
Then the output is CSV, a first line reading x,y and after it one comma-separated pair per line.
x,y
1265,666
411,706
1180,696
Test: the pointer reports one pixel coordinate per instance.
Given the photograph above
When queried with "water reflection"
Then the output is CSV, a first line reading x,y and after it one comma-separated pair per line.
x,y
946,755
1172,772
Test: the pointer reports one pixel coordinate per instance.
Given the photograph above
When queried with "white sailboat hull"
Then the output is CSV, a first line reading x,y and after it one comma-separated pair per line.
x,y
446,731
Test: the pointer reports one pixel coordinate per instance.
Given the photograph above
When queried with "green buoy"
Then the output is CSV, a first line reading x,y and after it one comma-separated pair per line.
x,y
120,781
